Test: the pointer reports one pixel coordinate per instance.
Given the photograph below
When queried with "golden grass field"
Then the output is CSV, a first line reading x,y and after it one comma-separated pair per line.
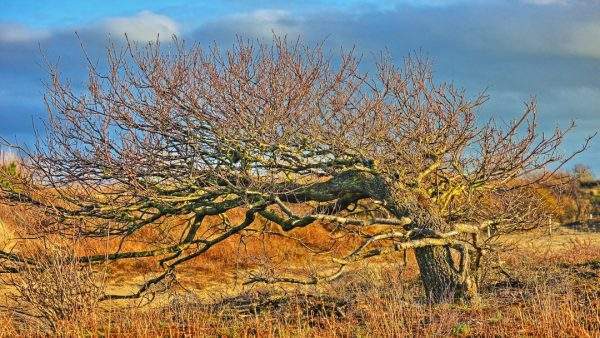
x,y
553,291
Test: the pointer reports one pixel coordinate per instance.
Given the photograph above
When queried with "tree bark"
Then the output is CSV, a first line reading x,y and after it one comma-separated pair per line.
x,y
443,279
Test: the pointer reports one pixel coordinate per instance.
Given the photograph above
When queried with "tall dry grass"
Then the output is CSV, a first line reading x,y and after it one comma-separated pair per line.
x,y
557,295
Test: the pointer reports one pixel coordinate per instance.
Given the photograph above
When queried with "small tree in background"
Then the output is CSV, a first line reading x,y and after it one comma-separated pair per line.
x,y
583,173
584,192
188,133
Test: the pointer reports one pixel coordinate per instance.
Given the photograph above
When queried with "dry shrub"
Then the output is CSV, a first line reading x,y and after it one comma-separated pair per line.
x,y
56,289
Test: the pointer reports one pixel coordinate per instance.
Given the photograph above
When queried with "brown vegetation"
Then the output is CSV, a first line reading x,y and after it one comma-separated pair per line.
x,y
551,289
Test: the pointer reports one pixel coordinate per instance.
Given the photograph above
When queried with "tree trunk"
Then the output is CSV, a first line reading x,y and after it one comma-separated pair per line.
x,y
442,278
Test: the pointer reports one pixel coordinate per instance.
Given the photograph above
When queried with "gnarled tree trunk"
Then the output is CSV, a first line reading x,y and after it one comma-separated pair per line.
x,y
444,279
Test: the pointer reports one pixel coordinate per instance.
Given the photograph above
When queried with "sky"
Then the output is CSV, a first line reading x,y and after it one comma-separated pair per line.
x,y
515,49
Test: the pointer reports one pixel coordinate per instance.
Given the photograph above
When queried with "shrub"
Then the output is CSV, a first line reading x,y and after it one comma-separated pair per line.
x,y
56,288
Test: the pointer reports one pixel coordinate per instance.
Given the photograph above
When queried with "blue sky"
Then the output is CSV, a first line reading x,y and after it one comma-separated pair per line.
x,y
515,48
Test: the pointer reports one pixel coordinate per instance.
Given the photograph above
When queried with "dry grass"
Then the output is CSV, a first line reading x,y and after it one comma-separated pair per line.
x,y
555,292
551,306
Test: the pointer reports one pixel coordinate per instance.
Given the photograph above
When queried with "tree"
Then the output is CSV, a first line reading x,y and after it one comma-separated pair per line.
x,y
582,180
183,132
583,173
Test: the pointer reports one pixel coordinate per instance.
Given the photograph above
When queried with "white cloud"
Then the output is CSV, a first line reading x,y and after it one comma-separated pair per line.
x,y
144,26
266,21
20,33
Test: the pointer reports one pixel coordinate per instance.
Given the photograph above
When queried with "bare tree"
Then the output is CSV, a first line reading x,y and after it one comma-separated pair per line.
x,y
583,173
183,132
582,180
